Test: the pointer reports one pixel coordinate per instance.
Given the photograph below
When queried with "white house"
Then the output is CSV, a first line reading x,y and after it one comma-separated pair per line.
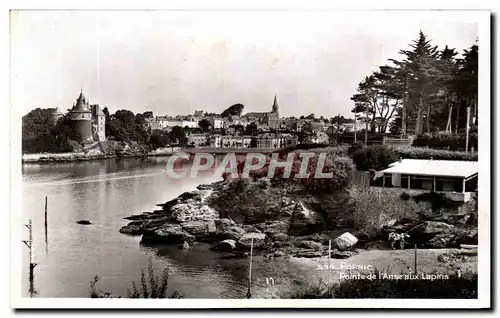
x,y
457,179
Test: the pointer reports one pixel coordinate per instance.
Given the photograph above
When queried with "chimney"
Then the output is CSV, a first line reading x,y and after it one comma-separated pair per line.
x,y
400,159
432,158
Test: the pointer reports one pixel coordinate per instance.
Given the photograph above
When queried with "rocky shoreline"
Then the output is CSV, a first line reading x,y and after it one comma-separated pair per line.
x,y
200,216
95,151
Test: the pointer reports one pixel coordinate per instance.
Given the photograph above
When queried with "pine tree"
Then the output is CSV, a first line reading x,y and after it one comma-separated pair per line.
x,y
421,65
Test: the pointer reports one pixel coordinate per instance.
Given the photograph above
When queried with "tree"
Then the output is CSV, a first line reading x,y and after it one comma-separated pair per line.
x,y
467,82
421,66
253,142
177,135
427,90
148,114
310,116
159,139
251,129
204,124
41,134
234,110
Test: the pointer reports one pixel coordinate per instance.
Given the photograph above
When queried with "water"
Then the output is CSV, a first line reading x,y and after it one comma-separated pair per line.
x,y
104,192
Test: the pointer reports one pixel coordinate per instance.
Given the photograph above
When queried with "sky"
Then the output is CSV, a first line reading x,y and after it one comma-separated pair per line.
x,y
176,62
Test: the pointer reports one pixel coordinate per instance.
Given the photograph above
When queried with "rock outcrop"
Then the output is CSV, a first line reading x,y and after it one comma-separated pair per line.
x,y
168,234
345,241
226,246
246,240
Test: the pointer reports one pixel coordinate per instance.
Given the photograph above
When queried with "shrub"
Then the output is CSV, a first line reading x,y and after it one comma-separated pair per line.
x,y
445,141
374,158
292,148
355,147
375,207
339,166
455,287
425,153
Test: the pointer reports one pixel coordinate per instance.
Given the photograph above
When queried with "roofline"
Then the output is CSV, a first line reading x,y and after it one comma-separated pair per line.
x,y
433,175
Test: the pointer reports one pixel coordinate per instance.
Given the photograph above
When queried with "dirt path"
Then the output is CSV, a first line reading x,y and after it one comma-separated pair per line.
x,y
388,261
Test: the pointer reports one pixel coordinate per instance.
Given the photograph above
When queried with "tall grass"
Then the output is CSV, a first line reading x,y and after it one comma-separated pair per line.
x,y
375,207
154,286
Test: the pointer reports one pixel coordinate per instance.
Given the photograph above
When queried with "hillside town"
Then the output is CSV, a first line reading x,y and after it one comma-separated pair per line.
x,y
232,129
250,130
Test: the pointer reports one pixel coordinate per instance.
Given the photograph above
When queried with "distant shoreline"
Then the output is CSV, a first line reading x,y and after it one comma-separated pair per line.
x,y
80,156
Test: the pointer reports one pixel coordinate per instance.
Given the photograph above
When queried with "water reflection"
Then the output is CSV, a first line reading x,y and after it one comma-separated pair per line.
x,y
104,192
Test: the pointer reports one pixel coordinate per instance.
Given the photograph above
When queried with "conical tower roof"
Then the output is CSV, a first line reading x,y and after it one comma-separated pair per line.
x,y
81,104
57,111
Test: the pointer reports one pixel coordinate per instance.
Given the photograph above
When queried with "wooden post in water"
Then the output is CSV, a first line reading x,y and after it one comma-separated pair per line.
x,y
249,294
46,235
32,265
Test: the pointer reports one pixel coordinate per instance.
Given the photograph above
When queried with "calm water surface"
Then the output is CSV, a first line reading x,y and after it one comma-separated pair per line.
x,y
104,192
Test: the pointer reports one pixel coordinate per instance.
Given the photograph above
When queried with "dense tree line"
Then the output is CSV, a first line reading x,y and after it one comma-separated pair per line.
x,y
41,134
426,90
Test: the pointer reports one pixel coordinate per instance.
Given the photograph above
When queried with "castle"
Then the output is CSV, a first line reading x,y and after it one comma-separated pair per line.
x,y
88,120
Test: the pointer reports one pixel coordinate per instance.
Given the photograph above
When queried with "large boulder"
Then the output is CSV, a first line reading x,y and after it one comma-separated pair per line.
x,y
341,254
227,229
133,228
308,254
258,240
226,246
433,234
280,237
272,227
184,212
345,241
311,245
316,237
223,223
168,234
199,229
251,229
431,228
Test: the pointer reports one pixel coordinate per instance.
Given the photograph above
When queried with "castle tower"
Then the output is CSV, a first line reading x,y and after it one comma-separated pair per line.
x,y
81,118
276,108
98,123
56,114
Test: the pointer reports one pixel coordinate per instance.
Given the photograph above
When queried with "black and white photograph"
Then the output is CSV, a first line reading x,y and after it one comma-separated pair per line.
x,y
250,158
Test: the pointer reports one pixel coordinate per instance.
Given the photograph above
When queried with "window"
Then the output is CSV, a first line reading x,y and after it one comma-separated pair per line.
x,y
83,116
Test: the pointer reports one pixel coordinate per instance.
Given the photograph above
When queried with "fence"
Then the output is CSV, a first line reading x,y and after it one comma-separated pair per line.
x,y
359,178
397,141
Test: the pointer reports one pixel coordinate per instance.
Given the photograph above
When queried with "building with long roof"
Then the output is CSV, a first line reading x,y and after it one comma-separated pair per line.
x,y
457,179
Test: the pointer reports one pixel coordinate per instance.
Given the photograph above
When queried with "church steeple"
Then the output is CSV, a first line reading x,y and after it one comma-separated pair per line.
x,y
275,108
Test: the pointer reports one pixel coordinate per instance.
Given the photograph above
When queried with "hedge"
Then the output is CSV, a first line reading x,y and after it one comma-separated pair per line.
x,y
427,153
374,158
445,141
379,157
